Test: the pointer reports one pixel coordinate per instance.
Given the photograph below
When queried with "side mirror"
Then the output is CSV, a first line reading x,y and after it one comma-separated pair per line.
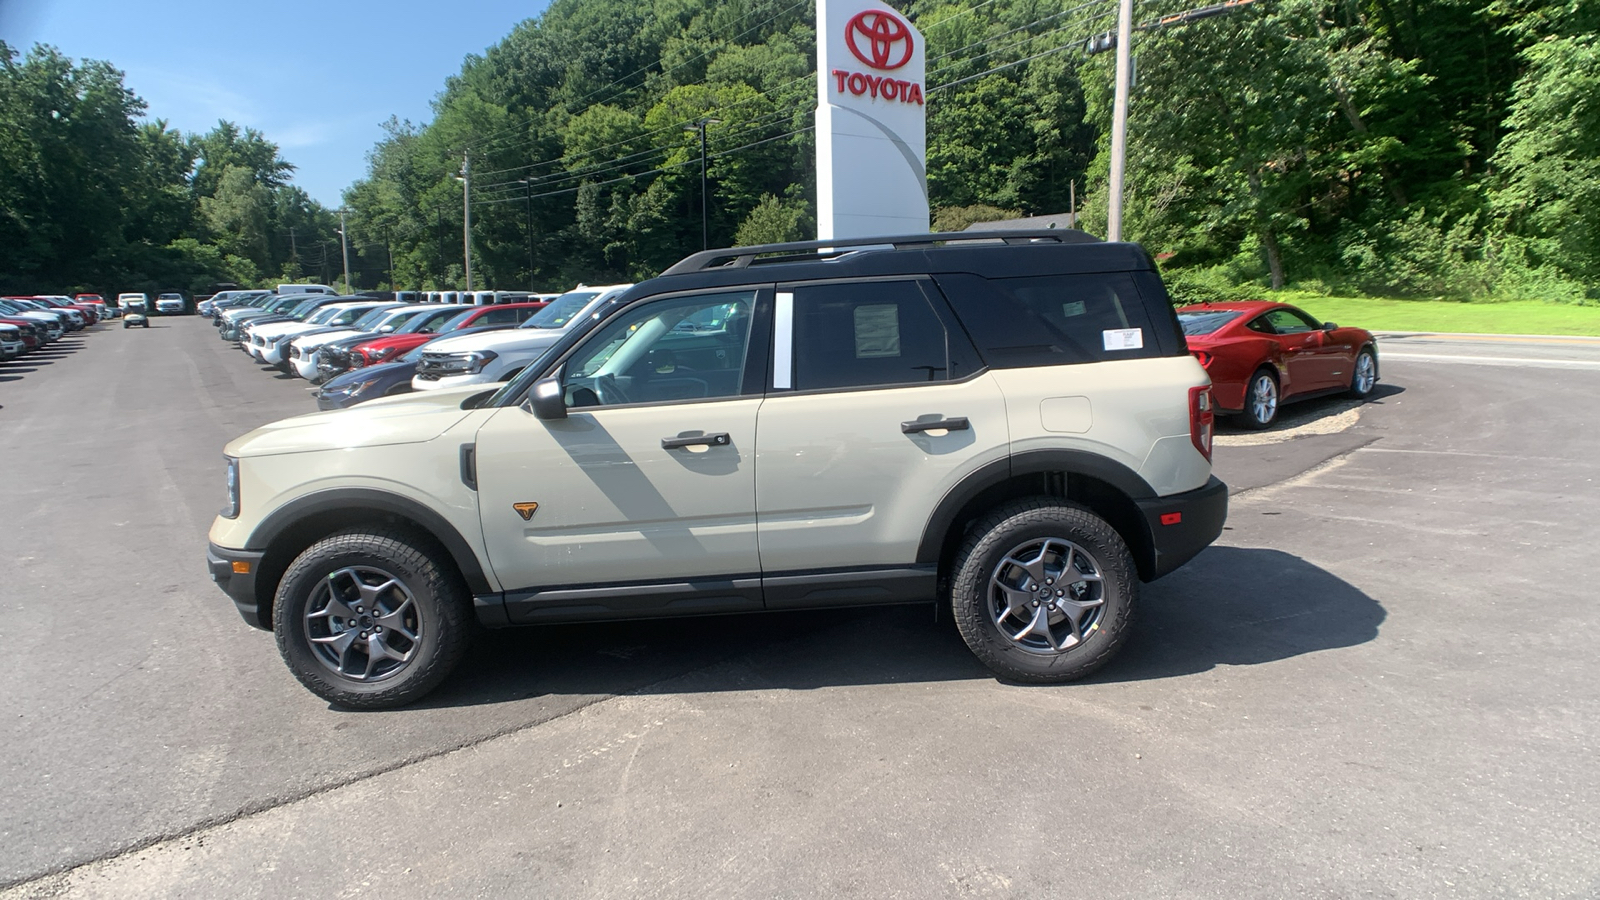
x,y
546,399
386,329
1329,326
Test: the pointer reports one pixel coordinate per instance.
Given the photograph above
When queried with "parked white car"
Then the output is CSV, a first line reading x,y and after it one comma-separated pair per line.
x,y
304,350
488,357
124,299
170,304
269,342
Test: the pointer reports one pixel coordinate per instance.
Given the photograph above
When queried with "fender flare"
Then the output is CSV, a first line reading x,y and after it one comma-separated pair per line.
x,y
1073,462
342,499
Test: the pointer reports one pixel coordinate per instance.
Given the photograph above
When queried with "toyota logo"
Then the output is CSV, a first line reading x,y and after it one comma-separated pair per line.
x,y
878,33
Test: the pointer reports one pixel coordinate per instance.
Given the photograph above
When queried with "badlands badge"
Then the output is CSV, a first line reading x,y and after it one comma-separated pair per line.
x,y
525,510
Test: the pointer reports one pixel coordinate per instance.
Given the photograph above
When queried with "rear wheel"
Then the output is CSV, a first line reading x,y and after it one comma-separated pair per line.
x,y
370,620
1044,591
1260,399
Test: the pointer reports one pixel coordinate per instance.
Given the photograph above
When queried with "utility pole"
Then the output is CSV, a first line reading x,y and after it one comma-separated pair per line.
x,y
389,246
466,211
527,184
438,214
294,250
701,123
344,242
1123,43
1119,118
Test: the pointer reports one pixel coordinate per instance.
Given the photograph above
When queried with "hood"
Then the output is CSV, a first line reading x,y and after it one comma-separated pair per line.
x,y
314,339
510,339
406,419
368,373
270,329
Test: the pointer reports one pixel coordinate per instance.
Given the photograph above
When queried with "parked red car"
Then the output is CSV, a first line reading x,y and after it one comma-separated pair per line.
x,y
1261,355
393,346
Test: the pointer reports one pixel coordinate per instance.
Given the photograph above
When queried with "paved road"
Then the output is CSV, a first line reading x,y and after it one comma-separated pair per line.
x,y
1382,681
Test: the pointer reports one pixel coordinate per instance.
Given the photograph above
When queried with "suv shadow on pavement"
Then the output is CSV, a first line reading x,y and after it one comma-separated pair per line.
x,y
1235,606
1229,607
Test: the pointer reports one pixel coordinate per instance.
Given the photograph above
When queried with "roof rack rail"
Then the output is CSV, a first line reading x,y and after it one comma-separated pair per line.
x,y
802,251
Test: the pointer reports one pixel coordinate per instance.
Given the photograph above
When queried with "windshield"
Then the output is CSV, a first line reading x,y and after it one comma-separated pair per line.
x,y
429,321
304,309
369,322
561,310
324,315
457,321
1199,323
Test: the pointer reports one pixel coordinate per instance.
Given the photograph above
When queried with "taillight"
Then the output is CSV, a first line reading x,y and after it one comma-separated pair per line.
x,y
1202,419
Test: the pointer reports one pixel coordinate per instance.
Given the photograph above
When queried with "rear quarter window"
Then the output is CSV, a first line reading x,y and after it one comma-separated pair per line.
x,y
1052,320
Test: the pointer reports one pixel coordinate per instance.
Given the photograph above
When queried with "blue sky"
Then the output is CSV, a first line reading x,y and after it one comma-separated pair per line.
x,y
317,78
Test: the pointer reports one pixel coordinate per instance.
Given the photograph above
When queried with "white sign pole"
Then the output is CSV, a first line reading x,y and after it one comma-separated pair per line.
x,y
872,171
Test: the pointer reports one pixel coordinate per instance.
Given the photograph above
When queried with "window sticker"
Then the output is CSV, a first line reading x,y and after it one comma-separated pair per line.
x,y
1075,308
1123,338
877,330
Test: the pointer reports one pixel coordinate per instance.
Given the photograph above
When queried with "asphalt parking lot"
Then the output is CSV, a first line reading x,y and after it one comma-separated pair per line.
x,y
1381,682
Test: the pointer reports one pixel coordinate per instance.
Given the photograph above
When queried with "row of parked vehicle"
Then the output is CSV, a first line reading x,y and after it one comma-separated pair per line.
x,y
31,323
363,347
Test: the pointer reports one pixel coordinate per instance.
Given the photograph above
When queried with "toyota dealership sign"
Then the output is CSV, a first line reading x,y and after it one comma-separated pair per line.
x,y
871,131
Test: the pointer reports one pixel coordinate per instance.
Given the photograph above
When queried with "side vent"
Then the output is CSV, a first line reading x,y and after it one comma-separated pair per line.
x,y
469,465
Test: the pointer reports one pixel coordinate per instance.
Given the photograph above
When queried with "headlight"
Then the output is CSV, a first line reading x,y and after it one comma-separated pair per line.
x,y
477,359
384,354
231,511
355,389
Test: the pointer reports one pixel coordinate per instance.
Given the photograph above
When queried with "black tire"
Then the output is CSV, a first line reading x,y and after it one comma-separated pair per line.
x,y
442,622
145,323
1358,389
1253,416
976,600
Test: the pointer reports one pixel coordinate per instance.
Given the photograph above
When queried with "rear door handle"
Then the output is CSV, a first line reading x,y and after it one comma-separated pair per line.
x,y
719,439
957,423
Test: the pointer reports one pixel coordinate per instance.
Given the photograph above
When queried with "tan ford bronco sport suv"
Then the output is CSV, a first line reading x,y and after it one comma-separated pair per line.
x,y
1007,423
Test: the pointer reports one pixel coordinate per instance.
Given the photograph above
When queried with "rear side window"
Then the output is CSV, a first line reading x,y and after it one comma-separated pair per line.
x,y
501,317
1051,320
865,335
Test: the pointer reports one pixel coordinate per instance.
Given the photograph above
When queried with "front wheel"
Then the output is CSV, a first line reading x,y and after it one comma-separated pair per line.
x,y
1044,591
1365,376
370,620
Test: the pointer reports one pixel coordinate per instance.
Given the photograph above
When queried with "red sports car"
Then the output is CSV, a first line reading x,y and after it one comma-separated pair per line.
x,y
1261,355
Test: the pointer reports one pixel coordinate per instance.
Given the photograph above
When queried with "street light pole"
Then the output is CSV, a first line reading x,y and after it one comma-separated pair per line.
x,y
466,212
1119,118
701,123
344,242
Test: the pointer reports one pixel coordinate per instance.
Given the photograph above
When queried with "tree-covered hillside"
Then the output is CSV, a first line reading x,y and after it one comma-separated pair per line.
x,y
1411,146
93,198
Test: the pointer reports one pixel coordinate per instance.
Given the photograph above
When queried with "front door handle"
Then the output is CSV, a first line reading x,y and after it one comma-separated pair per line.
x,y
719,439
957,423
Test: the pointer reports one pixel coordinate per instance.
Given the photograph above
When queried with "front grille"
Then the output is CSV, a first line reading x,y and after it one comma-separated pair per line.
x,y
439,365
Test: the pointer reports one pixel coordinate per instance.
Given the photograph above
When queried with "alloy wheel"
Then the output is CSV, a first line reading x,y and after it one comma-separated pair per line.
x,y
363,624
1047,595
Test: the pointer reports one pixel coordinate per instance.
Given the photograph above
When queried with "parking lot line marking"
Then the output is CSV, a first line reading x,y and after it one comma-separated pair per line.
x,y
1468,453
1530,361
